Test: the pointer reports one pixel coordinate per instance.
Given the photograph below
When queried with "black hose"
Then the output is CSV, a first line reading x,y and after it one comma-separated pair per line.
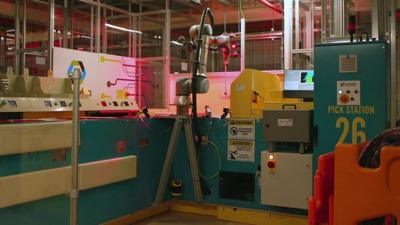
x,y
370,158
196,62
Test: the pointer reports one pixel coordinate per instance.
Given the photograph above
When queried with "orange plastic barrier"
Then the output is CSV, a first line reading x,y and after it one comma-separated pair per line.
x,y
320,205
361,193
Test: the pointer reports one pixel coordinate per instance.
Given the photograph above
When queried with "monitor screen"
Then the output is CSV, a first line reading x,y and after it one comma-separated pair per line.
x,y
298,84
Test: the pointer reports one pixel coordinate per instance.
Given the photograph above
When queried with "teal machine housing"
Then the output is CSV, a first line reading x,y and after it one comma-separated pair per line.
x,y
351,93
99,141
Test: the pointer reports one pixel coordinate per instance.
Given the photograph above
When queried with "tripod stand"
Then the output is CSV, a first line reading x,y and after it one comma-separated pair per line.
x,y
186,123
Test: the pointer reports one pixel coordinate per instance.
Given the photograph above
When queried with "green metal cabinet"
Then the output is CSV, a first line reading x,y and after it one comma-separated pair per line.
x,y
351,93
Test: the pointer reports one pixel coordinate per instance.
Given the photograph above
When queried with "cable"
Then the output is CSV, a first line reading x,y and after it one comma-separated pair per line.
x,y
218,152
196,63
370,158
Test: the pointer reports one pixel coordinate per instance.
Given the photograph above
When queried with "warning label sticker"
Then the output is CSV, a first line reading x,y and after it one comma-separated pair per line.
x,y
241,150
243,129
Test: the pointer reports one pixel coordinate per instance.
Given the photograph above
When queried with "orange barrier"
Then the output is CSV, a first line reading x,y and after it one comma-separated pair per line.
x,y
361,193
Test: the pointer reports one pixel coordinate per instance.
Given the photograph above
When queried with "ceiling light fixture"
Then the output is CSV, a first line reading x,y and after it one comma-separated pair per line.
x,y
86,37
122,28
176,43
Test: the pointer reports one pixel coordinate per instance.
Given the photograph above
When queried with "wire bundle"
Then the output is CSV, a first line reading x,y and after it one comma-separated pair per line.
x,y
370,158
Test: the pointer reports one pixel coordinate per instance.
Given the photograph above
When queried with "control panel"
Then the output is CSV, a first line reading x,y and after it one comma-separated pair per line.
x,y
348,92
63,104
351,93
286,179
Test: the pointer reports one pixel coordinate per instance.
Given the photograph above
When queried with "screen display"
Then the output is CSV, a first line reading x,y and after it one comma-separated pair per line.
x,y
298,83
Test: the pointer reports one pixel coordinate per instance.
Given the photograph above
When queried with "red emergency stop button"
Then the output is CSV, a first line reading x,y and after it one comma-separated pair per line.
x,y
344,99
271,164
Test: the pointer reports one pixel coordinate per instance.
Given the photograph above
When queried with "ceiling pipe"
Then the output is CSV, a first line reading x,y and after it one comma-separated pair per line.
x,y
271,6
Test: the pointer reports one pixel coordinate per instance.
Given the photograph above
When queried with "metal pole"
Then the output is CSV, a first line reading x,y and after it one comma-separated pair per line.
x,y
167,52
130,34
67,29
103,28
23,62
139,55
194,167
288,33
134,37
51,34
375,19
166,171
339,18
74,193
297,24
242,44
98,22
393,64
17,36
91,28
323,22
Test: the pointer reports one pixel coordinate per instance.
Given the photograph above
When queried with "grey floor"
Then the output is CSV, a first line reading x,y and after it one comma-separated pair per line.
x,y
174,218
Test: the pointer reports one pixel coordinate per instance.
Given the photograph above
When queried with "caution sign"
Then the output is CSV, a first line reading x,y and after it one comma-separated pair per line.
x,y
241,150
241,129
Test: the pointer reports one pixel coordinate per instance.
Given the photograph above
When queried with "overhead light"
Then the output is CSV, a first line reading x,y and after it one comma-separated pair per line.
x,y
2,38
122,28
176,43
69,33
84,36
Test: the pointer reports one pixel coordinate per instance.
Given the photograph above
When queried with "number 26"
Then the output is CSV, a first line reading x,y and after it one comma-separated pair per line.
x,y
357,136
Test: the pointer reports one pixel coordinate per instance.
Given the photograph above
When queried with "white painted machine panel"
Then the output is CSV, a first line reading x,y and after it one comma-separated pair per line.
x,y
286,179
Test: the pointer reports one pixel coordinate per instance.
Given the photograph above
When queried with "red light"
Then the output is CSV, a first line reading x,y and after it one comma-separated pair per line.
x,y
271,164
233,46
104,104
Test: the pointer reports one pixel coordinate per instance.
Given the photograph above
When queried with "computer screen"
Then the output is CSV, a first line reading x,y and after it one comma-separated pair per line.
x,y
298,84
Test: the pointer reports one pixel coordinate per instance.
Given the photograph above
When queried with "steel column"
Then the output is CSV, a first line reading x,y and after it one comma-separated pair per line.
x,y
323,21
74,192
297,24
130,35
393,63
103,28
51,34
98,28
91,28
167,52
17,35
339,18
288,33
242,44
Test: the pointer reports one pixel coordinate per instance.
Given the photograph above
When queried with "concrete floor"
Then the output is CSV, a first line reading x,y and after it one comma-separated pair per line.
x,y
174,218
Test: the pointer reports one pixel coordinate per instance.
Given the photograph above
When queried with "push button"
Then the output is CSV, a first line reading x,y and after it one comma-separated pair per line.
x,y
344,99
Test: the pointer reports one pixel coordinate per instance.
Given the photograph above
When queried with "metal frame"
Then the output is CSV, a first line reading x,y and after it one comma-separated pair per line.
x,y
393,64
288,33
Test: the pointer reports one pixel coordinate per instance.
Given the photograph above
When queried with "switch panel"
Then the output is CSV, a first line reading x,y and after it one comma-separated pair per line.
x,y
348,92
286,179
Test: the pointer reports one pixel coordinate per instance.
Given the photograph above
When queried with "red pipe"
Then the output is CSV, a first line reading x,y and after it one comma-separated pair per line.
x,y
271,6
